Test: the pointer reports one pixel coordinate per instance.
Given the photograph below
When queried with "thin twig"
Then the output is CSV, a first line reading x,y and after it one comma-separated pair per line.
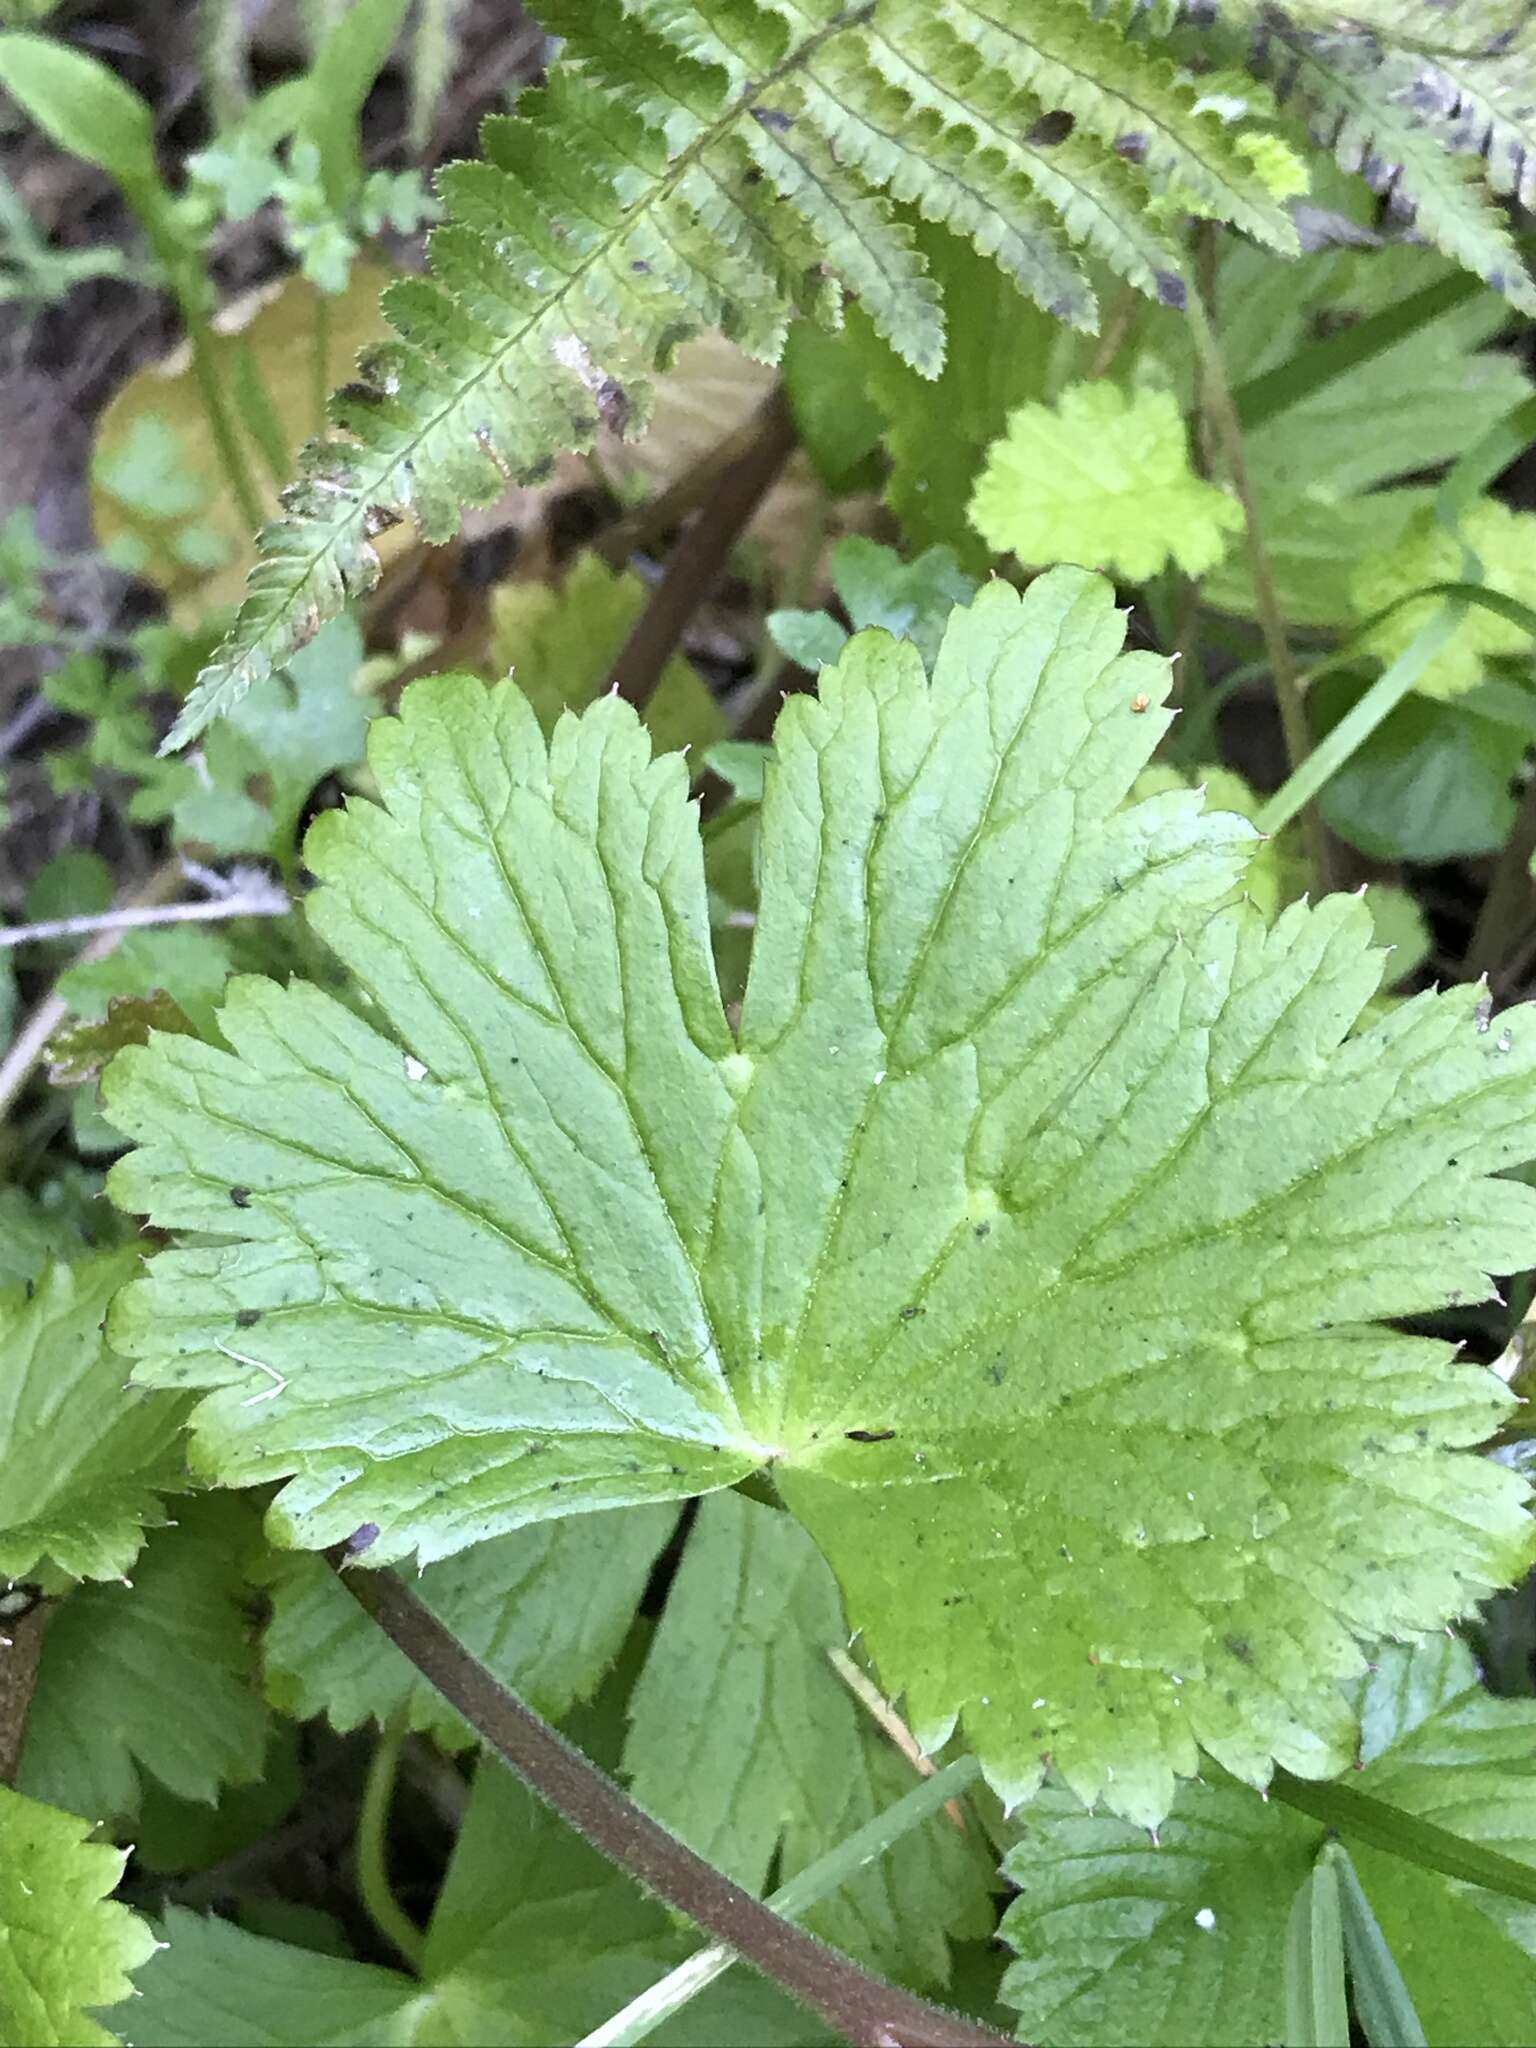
x,y
1282,666
260,899
888,1721
636,531
27,1047
864,2009
703,551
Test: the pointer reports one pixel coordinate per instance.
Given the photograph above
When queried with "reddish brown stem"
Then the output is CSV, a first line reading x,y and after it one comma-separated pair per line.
x,y
703,551
21,1649
863,2008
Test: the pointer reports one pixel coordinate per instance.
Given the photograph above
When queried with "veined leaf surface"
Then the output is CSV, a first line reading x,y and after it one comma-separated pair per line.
x,y
1033,1231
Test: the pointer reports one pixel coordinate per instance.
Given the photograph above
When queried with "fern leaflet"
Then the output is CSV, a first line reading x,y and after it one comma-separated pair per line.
x,y
730,163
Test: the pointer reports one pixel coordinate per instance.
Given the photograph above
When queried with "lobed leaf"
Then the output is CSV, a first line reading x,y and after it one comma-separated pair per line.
x,y
1103,479
1034,1231
157,1675
1182,1940
83,1456
65,1947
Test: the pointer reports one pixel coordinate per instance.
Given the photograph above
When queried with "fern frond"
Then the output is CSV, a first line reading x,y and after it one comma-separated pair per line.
x,y
1481,104
731,164
1355,96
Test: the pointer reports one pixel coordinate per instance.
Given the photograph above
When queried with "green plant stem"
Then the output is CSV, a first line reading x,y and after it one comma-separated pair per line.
x,y
221,422
1511,898
865,2010
372,1851
1222,413
643,2015
1372,1822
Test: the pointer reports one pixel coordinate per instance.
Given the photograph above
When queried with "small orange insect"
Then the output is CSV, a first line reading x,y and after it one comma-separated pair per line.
x,y
1140,702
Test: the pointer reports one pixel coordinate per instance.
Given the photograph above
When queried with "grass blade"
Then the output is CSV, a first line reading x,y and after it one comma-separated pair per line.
x,y
1382,2004
1316,2009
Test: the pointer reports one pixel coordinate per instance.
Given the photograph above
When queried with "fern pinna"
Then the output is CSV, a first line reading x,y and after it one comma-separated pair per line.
x,y
736,163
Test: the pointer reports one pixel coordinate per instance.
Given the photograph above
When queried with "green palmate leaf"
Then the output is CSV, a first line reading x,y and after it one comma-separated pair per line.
x,y
561,645
63,1225
83,1457
1435,1744
1032,1230
546,1609
1184,1941
1103,479
64,1946
173,1834
535,1939
745,1742
157,1676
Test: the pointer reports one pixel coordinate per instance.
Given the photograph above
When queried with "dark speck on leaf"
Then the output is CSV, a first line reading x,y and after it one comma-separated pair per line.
x,y
909,1312
869,1436
997,1372
1240,1648
246,1318
983,1230
31,1289
774,118
1050,129
1171,290
1132,147
241,1197
613,404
